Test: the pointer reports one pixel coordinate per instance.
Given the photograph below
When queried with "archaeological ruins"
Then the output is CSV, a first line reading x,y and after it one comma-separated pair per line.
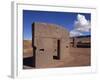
x,y
50,44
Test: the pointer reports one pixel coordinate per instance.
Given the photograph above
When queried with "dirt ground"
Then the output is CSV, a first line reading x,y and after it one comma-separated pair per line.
x,y
80,57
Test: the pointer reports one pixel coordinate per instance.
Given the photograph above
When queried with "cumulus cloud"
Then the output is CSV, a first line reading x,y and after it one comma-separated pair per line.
x,y
75,33
82,24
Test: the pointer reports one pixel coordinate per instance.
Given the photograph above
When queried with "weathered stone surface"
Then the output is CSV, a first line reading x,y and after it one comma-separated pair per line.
x,y
45,41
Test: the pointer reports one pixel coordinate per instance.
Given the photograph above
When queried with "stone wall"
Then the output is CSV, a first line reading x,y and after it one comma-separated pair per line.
x,y
46,38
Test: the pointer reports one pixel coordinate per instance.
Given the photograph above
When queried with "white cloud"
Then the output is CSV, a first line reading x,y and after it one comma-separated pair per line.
x,y
74,33
82,24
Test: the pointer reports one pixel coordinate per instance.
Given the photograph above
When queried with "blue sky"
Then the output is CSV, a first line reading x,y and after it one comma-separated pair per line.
x,y
65,19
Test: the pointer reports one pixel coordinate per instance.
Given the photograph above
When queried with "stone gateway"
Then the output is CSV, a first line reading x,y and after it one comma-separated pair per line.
x,y
50,43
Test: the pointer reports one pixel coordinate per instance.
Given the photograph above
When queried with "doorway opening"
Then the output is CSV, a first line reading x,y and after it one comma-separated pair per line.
x,y
30,62
57,57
